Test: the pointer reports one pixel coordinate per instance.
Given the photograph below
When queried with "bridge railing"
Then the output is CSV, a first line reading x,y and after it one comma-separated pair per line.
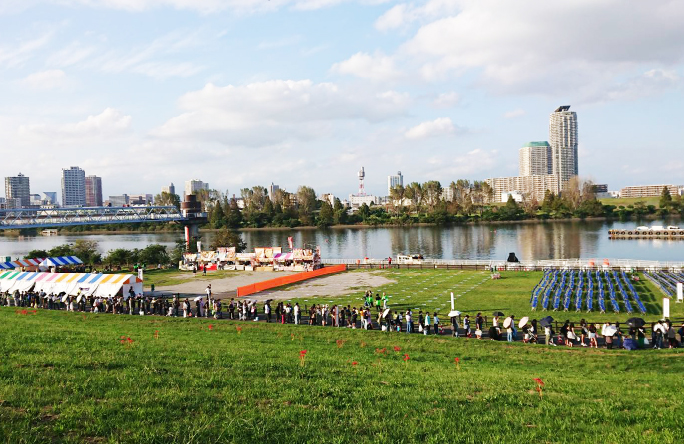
x,y
55,217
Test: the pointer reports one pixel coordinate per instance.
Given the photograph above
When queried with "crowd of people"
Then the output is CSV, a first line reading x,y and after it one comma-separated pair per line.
x,y
374,313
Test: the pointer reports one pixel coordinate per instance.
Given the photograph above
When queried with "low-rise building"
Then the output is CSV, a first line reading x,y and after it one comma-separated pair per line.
x,y
530,187
647,191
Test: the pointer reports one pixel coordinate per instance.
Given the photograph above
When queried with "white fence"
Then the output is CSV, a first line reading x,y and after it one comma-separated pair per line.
x,y
570,264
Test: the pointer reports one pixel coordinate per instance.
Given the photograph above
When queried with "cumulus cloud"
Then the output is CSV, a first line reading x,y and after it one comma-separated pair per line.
x,y
108,124
540,47
367,66
263,113
438,127
514,113
45,80
446,100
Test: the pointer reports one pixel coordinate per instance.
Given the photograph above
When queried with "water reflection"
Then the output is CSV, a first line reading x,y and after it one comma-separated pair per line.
x,y
530,241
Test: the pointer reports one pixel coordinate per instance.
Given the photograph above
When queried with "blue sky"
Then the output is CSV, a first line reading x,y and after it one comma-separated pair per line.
x,y
304,92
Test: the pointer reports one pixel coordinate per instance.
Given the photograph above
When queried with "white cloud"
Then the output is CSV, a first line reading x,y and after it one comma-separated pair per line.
x,y
446,100
404,14
515,113
474,163
16,56
280,43
45,80
540,47
374,67
70,55
439,127
650,83
271,112
110,123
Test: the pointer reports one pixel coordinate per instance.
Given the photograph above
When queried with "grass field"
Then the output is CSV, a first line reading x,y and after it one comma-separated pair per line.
x,y
475,291
69,377
174,277
655,201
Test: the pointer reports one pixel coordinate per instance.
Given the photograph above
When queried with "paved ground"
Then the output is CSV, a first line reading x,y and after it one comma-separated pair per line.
x,y
333,285
220,287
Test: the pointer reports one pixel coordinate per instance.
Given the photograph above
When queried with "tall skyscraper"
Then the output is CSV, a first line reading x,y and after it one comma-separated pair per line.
x,y
535,159
73,187
393,181
93,190
169,189
563,140
272,190
19,188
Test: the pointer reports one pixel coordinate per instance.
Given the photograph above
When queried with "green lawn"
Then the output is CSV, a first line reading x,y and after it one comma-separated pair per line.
x,y
475,291
631,201
175,277
67,377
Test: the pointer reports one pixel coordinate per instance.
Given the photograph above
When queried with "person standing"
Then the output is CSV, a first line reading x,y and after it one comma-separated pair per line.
x,y
297,313
409,322
454,326
426,325
420,321
267,311
510,330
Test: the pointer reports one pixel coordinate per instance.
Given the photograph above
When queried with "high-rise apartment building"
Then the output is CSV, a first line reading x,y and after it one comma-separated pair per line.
x,y
93,190
393,181
272,190
18,188
73,187
192,186
530,187
535,159
169,189
563,141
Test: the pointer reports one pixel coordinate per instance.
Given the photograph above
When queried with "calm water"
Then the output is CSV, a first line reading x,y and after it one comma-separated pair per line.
x,y
530,241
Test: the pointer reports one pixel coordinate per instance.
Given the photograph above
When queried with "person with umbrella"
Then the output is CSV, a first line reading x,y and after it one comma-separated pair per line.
x,y
548,330
509,325
454,324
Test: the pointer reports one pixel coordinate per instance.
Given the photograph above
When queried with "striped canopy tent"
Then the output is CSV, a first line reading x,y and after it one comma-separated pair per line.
x,y
26,263
62,261
103,285
283,257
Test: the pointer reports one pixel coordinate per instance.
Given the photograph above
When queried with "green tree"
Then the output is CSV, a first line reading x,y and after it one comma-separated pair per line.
x,y
218,217
306,202
165,198
37,254
154,254
665,198
325,217
228,238
121,256
364,212
234,215
61,250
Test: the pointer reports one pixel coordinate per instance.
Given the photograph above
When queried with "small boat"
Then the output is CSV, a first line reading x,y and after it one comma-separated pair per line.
x,y
49,232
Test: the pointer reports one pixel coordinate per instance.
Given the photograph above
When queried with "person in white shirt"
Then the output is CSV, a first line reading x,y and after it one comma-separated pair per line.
x,y
297,314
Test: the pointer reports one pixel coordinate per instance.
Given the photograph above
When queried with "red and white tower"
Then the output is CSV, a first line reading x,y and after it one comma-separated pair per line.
x,y
362,175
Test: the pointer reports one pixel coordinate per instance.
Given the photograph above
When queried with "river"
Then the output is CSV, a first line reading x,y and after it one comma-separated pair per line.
x,y
529,240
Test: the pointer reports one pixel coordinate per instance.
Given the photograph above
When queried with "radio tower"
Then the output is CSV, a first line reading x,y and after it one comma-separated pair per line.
x,y
362,175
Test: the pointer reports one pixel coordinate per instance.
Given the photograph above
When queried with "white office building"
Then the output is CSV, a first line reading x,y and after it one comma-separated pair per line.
x,y
73,187
393,181
192,186
563,141
534,159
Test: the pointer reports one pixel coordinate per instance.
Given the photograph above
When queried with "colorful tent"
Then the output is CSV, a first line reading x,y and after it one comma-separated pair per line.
x,y
43,264
103,285
61,261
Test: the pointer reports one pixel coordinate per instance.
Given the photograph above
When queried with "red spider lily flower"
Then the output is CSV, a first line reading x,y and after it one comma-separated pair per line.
x,y
130,341
303,352
156,334
381,351
302,357
396,349
355,363
457,361
340,343
406,357
239,329
211,326
540,387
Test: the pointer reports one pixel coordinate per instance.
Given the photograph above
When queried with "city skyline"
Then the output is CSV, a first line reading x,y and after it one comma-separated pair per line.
x,y
298,92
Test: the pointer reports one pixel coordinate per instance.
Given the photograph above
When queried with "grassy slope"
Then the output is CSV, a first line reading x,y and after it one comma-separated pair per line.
x,y
430,289
67,378
631,201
